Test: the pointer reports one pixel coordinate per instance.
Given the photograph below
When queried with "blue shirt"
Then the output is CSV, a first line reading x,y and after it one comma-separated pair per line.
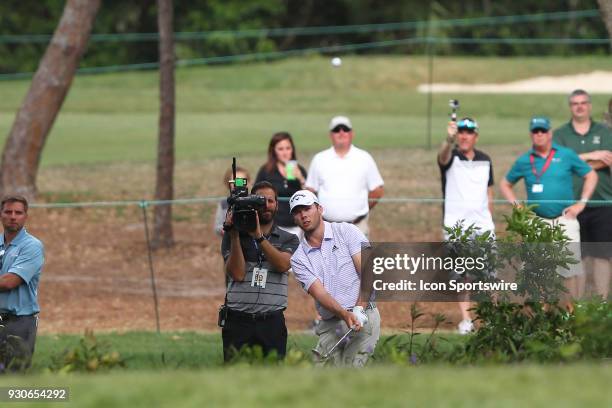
x,y
24,257
332,264
556,181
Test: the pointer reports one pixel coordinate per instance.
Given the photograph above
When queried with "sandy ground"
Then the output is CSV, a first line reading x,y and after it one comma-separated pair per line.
x,y
599,82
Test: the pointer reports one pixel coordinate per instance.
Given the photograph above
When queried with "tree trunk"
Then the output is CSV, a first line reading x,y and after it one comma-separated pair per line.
x,y
164,190
605,7
49,87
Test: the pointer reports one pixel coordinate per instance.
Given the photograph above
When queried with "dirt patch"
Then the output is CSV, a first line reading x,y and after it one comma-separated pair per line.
x,y
97,273
594,82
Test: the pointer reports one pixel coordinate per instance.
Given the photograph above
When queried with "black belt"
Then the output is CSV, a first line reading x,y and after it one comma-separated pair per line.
x,y
359,219
5,317
237,314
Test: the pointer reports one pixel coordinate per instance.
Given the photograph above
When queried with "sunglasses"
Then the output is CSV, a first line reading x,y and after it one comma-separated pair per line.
x,y
539,130
339,128
466,130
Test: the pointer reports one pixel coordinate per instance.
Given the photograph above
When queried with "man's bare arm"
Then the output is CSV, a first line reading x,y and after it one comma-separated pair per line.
x,y
9,281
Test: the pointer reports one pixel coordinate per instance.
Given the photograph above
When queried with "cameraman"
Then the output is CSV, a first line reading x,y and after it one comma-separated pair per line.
x,y
255,306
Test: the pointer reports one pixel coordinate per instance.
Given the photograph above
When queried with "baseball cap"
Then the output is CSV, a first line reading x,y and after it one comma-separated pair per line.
x,y
467,123
539,122
302,197
340,120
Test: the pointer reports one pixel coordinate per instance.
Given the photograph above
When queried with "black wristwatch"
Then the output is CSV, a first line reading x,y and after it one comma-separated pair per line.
x,y
260,239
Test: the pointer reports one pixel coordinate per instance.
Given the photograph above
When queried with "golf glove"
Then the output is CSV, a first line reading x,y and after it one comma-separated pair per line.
x,y
360,315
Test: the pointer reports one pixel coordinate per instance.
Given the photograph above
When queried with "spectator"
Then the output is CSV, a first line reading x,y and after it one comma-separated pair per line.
x,y
345,178
592,141
547,169
467,188
285,174
21,261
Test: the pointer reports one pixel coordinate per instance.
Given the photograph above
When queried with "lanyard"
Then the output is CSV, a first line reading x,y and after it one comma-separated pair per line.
x,y
260,255
544,168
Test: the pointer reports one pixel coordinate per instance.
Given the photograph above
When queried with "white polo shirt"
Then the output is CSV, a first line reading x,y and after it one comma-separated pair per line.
x,y
343,183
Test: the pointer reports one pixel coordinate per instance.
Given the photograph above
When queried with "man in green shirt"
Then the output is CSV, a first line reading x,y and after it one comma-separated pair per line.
x,y
593,143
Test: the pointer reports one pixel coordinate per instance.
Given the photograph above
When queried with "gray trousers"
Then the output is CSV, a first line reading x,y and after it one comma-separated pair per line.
x,y
17,340
357,348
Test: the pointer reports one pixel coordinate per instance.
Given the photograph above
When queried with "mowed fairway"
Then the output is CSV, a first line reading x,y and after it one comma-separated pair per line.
x,y
225,110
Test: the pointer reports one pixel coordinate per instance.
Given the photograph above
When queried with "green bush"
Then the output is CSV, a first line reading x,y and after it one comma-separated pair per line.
x,y
90,355
592,325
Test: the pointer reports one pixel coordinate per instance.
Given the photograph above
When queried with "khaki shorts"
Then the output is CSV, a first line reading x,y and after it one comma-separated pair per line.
x,y
358,347
572,230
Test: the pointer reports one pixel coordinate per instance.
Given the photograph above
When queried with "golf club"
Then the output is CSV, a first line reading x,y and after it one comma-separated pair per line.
x,y
325,356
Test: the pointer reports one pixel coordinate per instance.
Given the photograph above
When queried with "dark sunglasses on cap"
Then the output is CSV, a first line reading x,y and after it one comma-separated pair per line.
x,y
467,124
338,128
539,130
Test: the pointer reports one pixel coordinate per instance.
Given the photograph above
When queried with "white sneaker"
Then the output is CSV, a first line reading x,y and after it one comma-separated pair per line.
x,y
465,327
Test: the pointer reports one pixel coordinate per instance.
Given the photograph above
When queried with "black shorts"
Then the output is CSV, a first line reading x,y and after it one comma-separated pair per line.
x,y
596,231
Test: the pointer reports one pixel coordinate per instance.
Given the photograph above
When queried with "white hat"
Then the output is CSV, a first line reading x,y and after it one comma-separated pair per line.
x,y
302,197
340,120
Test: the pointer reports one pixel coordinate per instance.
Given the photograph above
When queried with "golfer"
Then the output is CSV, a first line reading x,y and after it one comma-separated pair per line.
x,y
328,265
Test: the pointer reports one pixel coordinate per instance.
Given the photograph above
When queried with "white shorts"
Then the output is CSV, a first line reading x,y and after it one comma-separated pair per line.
x,y
571,227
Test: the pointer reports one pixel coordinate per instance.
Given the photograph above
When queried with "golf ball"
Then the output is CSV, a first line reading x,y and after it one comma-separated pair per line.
x,y
336,61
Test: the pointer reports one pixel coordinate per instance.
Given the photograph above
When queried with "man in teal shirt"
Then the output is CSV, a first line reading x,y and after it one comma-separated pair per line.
x,y
21,261
592,141
548,170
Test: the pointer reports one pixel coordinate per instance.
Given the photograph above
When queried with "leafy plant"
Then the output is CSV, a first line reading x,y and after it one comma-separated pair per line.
x,y
537,328
90,355
592,324
403,350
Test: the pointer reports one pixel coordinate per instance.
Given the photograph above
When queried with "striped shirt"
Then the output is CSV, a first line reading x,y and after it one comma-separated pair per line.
x,y
241,295
332,264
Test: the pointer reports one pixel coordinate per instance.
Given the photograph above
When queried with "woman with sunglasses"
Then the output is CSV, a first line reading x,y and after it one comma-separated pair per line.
x,y
283,171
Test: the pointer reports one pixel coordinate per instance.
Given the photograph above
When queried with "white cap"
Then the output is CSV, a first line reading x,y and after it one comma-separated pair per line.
x,y
302,197
340,120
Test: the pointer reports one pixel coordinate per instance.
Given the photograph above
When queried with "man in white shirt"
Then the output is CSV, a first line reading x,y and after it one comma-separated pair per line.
x,y
345,178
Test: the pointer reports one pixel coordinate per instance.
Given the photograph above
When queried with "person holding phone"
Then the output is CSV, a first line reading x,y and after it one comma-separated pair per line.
x,y
285,174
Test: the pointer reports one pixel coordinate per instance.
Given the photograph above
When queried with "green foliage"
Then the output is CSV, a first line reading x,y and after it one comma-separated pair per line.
x,y
593,326
402,349
90,355
40,17
536,250
538,329
509,332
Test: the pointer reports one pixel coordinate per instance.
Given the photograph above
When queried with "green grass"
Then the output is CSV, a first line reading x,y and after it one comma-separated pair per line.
x,y
193,376
234,109
144,350
509,386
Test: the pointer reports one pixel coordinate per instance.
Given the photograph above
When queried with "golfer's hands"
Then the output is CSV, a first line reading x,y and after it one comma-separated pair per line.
x,y
361,315
451,132
351,320
573,210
